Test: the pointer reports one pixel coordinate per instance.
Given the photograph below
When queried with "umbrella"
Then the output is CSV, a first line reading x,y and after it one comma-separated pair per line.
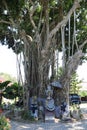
x,y
56,84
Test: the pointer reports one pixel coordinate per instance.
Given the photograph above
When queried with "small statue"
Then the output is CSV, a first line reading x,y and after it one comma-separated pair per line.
x,y
49,92
34,107
49,100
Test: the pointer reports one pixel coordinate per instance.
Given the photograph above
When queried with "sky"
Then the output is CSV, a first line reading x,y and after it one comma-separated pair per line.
x,y
82,72
7,61
8,64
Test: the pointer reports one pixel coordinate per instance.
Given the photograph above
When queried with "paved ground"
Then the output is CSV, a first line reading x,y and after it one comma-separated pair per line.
x,y
79,125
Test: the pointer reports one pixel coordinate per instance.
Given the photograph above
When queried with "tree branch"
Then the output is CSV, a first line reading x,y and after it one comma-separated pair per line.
x,y
31,12
6,22
65,20
82,45
59,25
6,6
47,18
62,23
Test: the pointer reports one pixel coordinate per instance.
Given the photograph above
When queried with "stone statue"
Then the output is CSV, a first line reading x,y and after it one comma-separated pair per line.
x,y
49,99
49,92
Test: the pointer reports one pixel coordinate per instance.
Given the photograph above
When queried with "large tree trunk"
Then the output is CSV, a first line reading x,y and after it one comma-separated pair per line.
x,y
36,69
37,53
37,50
71,66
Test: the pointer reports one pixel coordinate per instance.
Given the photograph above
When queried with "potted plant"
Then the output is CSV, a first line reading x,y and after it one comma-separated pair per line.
x,y
4,123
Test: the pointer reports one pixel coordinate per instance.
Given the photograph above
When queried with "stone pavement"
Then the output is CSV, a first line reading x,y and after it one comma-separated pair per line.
x,y
80,125
53,125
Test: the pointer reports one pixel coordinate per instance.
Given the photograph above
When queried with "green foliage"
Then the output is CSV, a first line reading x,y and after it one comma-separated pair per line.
x,y
12,91
39,8
74,84
4,123
14,7
82,23
83,93
10,10
68,4
26,115
18,10
53,3
59,73
3,85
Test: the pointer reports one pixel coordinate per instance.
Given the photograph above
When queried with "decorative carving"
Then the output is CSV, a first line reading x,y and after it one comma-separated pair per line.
x,y
49,100
49,92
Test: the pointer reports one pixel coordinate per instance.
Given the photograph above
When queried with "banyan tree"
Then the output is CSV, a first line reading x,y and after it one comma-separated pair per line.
x,y
40,30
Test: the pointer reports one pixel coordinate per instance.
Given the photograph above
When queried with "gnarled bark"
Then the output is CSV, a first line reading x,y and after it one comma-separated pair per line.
x,y
70,68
